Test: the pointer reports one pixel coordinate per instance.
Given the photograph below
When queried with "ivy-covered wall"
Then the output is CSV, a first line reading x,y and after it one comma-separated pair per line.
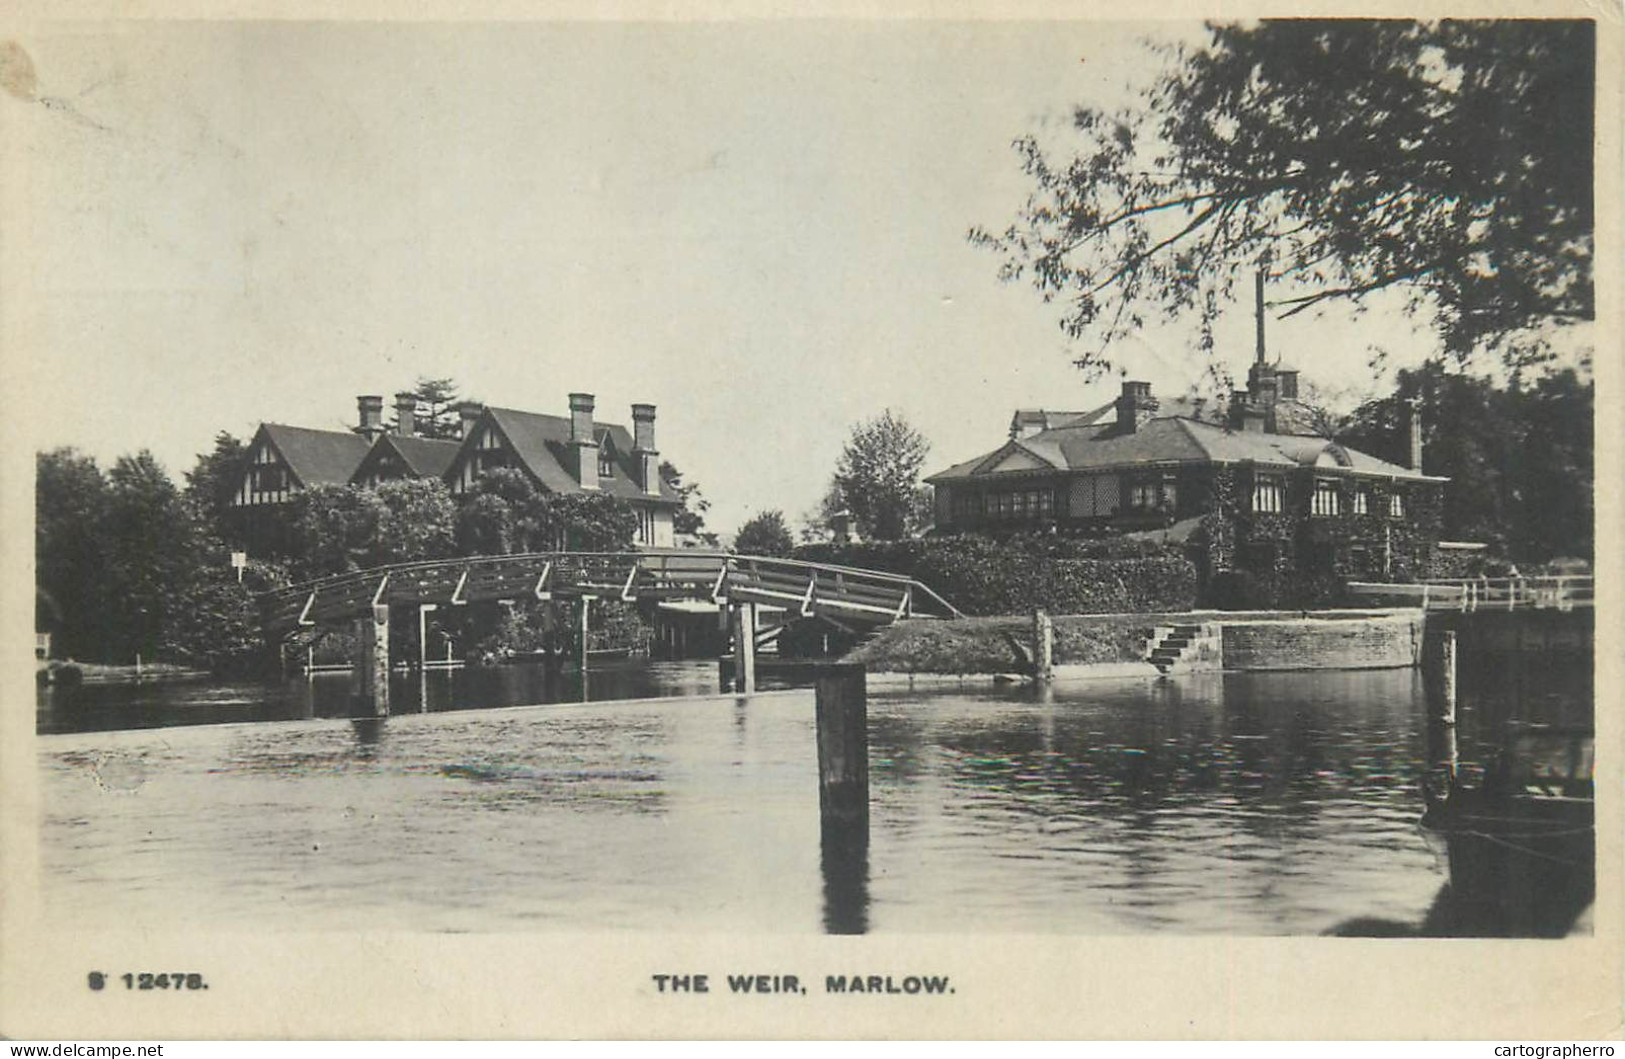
x,y
982,576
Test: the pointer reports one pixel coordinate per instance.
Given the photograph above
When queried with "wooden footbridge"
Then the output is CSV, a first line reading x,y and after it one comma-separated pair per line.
x,y
736,583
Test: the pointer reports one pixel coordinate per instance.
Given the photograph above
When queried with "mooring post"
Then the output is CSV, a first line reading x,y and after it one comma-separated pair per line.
x,y
1444,699
369,676
586,602
1043,647
744,637
843,751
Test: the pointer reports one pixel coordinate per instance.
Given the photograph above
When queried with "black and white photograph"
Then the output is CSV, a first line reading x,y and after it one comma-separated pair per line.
x,y
650,524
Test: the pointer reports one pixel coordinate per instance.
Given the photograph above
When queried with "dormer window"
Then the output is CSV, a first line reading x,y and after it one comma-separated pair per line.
x,y
606,464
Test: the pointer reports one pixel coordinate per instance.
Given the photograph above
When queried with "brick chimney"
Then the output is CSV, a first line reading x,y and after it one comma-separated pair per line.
x,y
406,415
467,413
369,416
583,447
1411,416
645,457
1135,406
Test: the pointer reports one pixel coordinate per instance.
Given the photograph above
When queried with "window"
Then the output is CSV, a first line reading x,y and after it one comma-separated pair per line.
x,y
1046,504
1396,506
269,477
1326,500
1268,495
1362,501
1142,494
606,464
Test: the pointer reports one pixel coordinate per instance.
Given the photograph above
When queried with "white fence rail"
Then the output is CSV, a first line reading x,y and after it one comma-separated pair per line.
x,y
1558,592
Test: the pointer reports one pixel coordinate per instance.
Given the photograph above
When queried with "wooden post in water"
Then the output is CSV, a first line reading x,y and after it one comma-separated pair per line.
x,y
744,637
586,602
1043,647
369,676
843,750
1444,706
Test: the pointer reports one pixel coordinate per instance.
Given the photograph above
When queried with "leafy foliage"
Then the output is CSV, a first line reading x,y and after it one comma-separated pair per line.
x,y
417,521
210,482
70,519
1449,159
878,476
982,576
437,415
690,518
765,534
1520,459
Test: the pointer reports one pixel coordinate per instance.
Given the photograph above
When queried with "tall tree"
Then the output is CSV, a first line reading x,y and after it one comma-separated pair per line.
x,y
436,416
210,481
764,534
878,475
690,518
155,554
1519,459
1451,160
70,549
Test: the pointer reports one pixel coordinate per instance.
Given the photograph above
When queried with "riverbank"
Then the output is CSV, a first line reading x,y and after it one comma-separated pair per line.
x,y
55,671
1117,645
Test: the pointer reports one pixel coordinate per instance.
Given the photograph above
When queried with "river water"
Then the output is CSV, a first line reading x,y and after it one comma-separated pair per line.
x,y
1245,804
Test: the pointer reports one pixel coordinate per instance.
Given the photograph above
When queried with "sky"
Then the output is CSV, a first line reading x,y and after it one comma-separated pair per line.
x,y
759,227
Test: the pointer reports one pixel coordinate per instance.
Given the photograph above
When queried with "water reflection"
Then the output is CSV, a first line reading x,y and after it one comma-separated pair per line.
x,y
1232,804
105,707
844,864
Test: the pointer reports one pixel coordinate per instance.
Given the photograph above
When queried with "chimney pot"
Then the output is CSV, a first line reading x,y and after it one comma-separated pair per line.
x,y
406,414
369,415
1413,433
1136,406
467,413
583,441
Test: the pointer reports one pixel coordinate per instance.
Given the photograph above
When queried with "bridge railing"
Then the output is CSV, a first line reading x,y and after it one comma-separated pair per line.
x,y
719,577
1545,592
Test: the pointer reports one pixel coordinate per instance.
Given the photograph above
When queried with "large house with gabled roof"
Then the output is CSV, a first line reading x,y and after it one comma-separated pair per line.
x,y
574,455
561,455
1247,487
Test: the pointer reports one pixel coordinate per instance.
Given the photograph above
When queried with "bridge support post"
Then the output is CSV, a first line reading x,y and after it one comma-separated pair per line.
x,y
843,752
1043,647
744,637
369,676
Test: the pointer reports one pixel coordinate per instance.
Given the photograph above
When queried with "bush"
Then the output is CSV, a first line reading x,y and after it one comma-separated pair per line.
x,y
981,576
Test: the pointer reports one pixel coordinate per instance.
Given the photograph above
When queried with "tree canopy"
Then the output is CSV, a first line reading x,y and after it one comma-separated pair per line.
x,y
765,533
1449,160
878,476
1519,459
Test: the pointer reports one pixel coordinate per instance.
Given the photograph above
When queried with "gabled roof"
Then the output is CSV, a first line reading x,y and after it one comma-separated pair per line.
x,y
540,441
1098,443
317,457
427,457
422,457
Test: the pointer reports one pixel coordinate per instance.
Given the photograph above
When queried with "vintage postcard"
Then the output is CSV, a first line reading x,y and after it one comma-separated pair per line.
x,y
982,520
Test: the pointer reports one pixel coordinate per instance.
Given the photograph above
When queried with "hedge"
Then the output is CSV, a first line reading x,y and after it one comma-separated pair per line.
x,y
981,576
